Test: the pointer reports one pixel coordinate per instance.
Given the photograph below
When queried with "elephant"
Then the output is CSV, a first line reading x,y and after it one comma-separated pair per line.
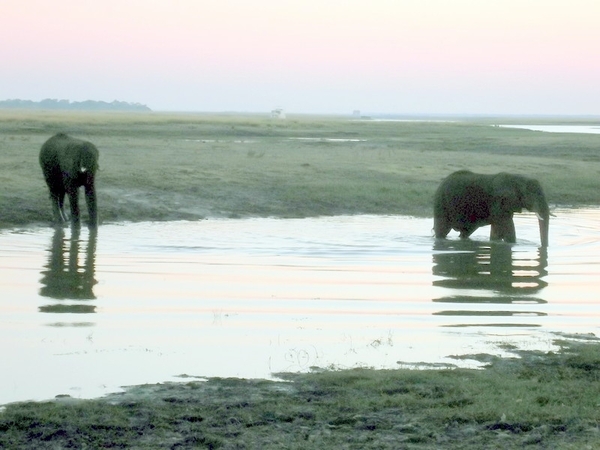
x,y
67,164
465,201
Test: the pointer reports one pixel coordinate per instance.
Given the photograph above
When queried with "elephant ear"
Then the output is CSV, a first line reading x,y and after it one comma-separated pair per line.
x,y
533,197
507,198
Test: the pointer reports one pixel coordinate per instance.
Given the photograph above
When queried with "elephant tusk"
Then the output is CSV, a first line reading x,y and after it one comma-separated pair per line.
x,y
542,217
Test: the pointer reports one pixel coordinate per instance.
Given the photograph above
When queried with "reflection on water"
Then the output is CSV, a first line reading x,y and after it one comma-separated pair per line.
x,y
486,273
67,276
253,297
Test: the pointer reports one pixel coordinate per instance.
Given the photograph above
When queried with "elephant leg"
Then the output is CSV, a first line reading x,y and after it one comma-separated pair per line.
x,y
464,234
57,201
503,229
54,180
467,230
56,208
74,201
441,227
61,208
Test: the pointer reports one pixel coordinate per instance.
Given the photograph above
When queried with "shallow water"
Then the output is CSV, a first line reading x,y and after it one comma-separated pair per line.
x,y
83,314
585,129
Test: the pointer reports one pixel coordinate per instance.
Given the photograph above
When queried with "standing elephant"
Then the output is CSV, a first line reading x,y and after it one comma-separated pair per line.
x,y
69,163
465,201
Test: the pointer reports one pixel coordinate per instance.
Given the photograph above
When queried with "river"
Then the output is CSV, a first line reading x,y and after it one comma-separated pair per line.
x,y
83,314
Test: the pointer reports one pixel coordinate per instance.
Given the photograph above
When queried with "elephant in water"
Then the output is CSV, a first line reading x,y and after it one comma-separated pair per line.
x,y
465,201
69,163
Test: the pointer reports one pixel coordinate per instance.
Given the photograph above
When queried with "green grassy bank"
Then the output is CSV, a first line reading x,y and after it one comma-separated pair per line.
x,y
188,166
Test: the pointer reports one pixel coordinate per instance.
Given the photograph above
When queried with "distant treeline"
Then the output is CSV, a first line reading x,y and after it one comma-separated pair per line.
x,y
87,105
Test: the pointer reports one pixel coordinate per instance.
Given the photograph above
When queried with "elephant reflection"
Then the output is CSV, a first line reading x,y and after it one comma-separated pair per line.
x,y
465,201
66,277
474,274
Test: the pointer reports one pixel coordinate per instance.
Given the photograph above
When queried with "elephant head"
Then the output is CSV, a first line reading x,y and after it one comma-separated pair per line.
x,y
466,201
512,193
67,164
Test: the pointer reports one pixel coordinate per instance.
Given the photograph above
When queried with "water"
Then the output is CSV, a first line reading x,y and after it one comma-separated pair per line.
x,y
84,314
586,129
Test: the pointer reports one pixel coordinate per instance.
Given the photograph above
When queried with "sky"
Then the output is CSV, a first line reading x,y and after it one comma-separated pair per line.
x,y
307,56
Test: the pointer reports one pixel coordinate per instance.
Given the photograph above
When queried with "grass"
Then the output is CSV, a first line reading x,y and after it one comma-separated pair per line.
x,y
534,400
186,166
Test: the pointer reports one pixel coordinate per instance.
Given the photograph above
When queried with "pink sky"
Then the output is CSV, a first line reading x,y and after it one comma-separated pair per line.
x,y
325,56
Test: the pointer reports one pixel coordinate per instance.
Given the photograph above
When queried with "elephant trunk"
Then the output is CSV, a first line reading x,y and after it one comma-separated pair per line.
x,y
544,223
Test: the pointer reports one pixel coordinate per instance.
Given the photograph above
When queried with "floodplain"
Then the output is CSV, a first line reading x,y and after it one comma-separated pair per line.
x,y
256,173
188,166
